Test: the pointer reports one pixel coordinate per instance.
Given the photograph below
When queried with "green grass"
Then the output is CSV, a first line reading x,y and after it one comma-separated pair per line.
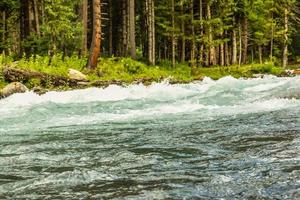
x,y
128,70
2,82
57,66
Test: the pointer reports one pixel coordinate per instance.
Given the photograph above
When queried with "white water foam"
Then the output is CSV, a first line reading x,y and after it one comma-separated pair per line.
x,y
239,96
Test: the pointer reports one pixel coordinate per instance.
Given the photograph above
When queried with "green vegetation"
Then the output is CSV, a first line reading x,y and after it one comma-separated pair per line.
x,y
2,83
128,71
246,71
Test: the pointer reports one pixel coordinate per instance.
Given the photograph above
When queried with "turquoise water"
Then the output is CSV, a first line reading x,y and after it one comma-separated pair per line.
x,y
226,139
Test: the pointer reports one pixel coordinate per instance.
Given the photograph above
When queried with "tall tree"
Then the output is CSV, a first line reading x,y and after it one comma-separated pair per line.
x,y
201,51
193,41
25,25
96,39
3,31
36,17
212,50
286,38
183,40
132,28
173,34
234,43
110,31
151,30
244,40
84,27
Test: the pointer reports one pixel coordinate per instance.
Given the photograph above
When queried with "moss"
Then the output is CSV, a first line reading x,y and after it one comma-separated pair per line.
x,y
34,82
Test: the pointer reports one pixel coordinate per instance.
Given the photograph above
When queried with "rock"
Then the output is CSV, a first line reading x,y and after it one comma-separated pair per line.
x,y
12,88
258,75
39,90
77,75
103,84
199,78
82,84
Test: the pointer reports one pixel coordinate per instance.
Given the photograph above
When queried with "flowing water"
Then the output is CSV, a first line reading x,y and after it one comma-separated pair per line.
x,y
225,139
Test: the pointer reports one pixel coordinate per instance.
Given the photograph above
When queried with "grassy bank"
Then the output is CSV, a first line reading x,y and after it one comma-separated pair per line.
x,y
128,70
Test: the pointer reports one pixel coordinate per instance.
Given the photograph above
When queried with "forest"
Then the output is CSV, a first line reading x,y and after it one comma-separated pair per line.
x,y
150,99
182,38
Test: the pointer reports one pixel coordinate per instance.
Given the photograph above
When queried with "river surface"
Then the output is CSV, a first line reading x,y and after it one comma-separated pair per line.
x,y
225,139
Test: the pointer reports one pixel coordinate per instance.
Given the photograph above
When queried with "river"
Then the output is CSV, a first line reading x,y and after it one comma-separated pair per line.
x,y
225,139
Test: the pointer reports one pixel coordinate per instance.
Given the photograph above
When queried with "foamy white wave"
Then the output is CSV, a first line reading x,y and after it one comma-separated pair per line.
x,y
227,96
202,111
112,93
265,87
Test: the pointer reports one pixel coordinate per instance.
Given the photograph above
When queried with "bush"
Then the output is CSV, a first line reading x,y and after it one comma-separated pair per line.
x,y
262,69
132,66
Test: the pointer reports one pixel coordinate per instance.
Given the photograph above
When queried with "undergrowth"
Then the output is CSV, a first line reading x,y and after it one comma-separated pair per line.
x,y
128,70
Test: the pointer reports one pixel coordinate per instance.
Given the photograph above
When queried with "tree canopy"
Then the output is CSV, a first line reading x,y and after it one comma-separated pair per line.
x,y
201,33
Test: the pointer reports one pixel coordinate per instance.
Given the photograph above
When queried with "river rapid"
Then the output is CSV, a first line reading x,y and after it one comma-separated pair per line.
x,y
225,139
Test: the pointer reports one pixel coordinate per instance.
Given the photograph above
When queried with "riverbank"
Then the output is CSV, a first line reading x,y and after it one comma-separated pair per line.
x,y
53,74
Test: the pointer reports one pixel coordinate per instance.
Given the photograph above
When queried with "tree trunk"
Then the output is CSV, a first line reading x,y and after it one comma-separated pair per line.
x,y
272,40
24,25
42,4
132,28
124,29
240,49
260,54
226,51
18,75
286,38
201,31
234,45
127,4
212,50
96,39
85,27
110,35
183,36
143,25
193,42
4,30
245,41
173,35
36,18
221,53
165,49
151,30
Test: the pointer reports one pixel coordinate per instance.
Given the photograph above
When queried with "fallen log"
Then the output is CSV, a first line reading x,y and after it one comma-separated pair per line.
x,y
46,80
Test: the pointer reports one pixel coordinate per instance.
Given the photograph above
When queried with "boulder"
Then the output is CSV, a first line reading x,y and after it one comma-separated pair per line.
x,y
12,88
39,90
258,75
77,75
